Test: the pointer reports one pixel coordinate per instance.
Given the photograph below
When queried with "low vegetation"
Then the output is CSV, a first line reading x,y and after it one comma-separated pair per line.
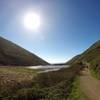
x,y
90,58
75,92
20,83
95,73
26,84
14,78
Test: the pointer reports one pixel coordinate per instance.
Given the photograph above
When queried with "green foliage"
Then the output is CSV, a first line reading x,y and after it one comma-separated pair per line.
x,y
91,55
23,84
95,73
91,59
76,93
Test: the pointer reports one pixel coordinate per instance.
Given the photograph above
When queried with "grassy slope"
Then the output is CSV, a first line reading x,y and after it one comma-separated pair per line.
x,y
73,60
25,84
12,54
91,55
91,58
76,92
13,78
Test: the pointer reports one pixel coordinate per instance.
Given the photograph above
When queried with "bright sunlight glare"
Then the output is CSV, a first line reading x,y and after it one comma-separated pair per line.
x,y
32,21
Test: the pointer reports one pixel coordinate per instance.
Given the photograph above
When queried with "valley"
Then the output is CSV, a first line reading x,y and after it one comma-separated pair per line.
x,y
28,77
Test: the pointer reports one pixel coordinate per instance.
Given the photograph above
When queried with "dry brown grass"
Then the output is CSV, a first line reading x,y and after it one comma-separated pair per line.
x,y
14,78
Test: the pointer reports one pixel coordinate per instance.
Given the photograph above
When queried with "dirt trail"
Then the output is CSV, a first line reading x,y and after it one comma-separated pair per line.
x,y
89,85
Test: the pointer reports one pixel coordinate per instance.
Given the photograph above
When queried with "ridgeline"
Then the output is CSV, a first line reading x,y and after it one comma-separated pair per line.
x,y
12,54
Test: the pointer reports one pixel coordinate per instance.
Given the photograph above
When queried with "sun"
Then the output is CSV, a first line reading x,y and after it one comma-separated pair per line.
x,y
32,21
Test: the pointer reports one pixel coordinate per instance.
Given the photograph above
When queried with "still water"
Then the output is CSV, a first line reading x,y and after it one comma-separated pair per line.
x,y
48,68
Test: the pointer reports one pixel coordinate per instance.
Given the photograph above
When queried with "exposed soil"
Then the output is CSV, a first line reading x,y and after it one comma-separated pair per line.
x,y
89,85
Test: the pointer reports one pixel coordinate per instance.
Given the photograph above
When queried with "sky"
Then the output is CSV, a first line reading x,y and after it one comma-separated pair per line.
x,y
68,27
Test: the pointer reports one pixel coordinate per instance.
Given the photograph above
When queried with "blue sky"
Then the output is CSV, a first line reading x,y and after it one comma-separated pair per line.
x,y
68,27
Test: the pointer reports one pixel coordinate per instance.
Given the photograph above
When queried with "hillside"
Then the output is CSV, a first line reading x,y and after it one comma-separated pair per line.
x,y
12,54
86,85
90,58
91,55
73,60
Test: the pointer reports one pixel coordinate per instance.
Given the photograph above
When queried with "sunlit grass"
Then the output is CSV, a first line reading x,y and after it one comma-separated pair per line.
x,y
76,92
14,78
19,83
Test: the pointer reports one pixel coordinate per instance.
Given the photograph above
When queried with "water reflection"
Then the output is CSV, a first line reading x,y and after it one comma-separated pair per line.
x,y
48,68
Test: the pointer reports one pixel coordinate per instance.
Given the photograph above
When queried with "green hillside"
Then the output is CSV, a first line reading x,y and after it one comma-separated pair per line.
x,y
90,58
12,54
91,55
73,60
